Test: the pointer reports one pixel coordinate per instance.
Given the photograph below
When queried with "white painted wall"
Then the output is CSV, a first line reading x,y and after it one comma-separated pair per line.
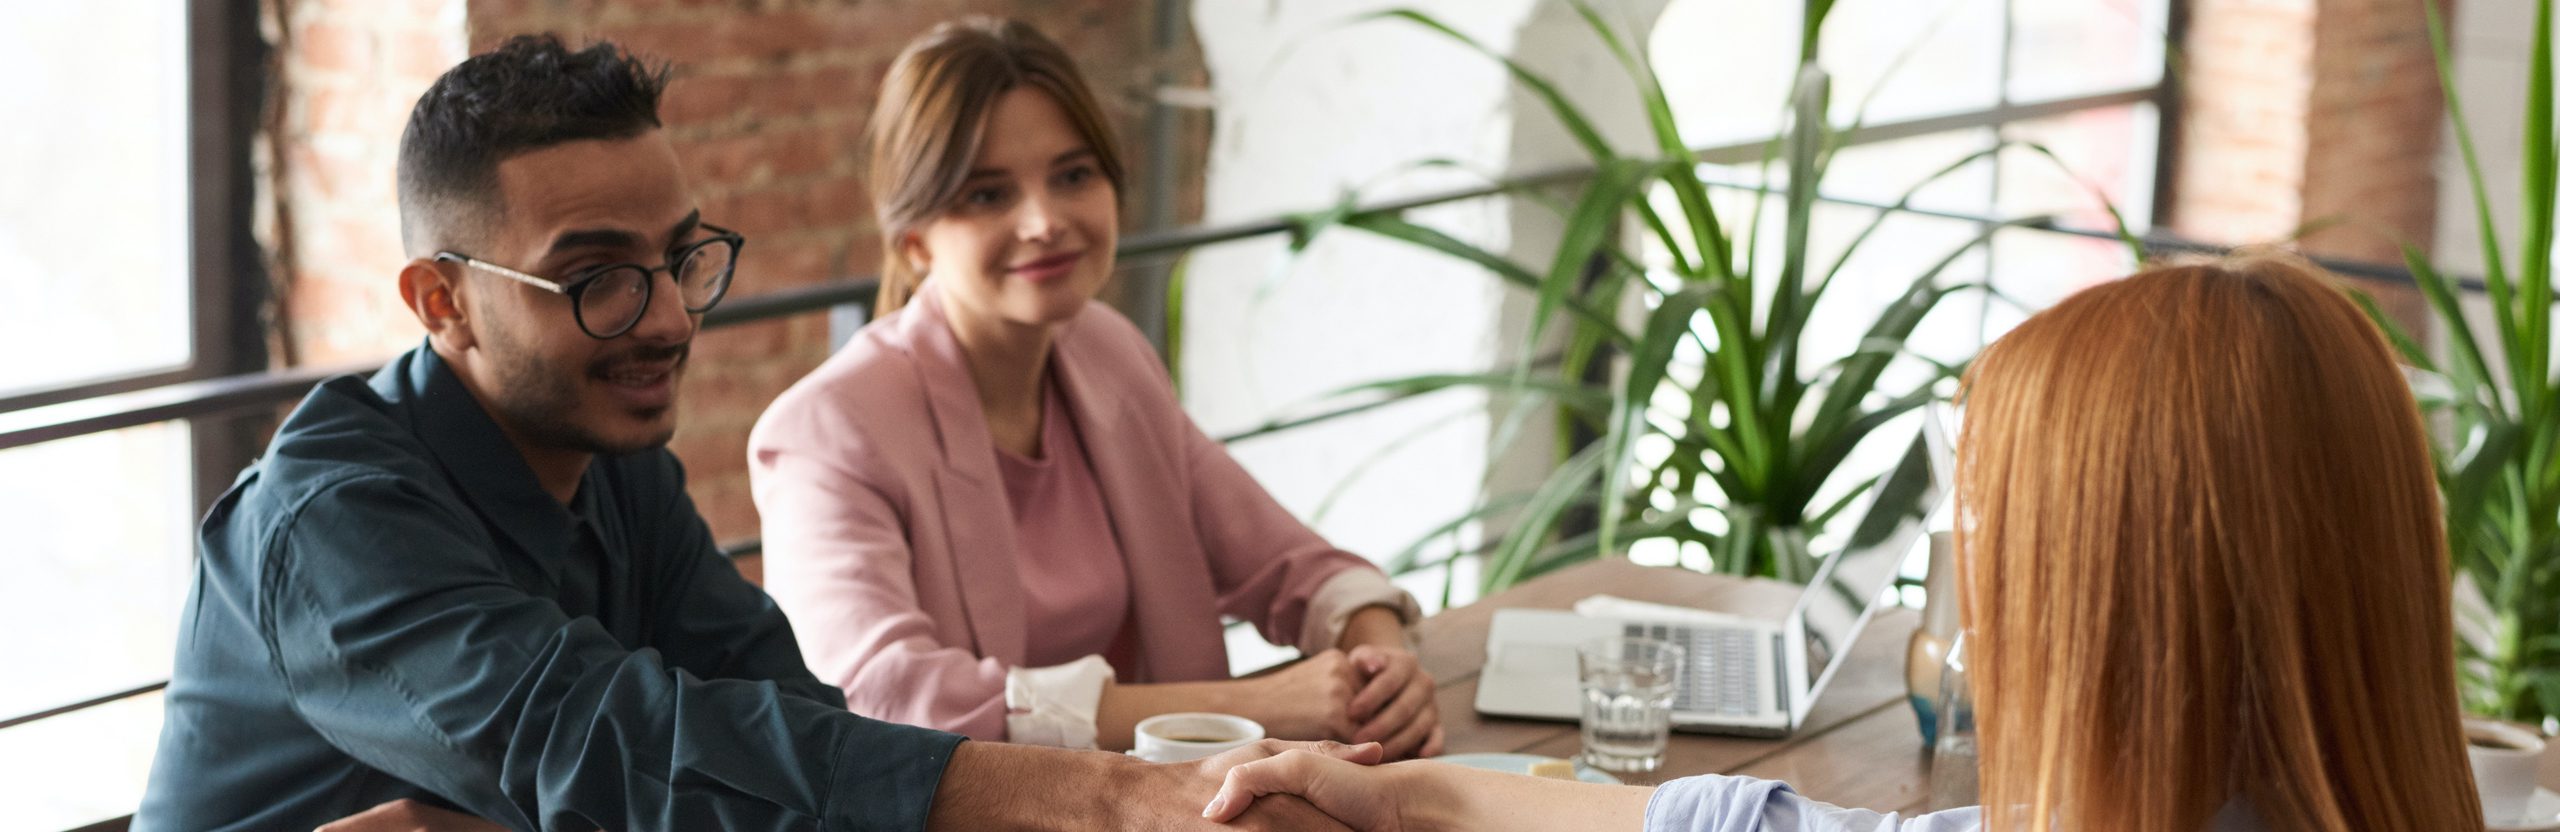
x,y
1308,107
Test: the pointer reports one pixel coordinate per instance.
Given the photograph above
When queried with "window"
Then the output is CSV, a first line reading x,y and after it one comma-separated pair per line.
x,y
1931,82
123,217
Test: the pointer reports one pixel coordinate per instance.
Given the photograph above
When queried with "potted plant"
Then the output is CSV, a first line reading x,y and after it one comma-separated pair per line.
x,y
2496,423
1683,334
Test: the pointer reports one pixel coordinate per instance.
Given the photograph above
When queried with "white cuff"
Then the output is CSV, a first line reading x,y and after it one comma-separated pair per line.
x,y
1350,591
1055,705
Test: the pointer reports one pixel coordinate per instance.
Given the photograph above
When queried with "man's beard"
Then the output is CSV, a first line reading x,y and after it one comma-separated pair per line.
x,y
539,398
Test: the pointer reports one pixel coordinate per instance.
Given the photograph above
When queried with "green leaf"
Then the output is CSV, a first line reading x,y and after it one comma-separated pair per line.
x,y
1586,233
1397,228
1410,557
1858,376
1786,320
2411,352
1176,280
1502,381
2470,374
1537,519
1680,163
2529,360
1645,372
2494,259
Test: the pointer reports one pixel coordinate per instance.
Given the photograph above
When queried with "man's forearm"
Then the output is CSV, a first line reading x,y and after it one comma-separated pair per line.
x,y
990,785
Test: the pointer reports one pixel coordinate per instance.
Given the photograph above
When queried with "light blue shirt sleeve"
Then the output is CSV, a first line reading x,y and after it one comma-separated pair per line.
x,y
1719,803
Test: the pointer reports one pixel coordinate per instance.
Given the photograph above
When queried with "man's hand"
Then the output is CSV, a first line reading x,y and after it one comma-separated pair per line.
x,y
1362,797
1192,785
1004,786
1397,705
406,815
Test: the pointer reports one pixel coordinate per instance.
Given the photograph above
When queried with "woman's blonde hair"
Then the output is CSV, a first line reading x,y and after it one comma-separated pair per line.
x,y
2206,561
932,115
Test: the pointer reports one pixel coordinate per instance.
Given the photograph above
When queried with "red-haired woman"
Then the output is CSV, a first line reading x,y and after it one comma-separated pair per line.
x,y
2206,579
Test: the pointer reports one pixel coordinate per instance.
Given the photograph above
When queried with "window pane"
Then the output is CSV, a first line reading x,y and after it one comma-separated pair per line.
x,y
2106,156
93,210
1728,67
98,563
2069,49
79,768
1914,58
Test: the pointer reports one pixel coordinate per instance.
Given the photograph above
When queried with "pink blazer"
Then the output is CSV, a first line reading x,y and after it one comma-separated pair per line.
x,y
889,543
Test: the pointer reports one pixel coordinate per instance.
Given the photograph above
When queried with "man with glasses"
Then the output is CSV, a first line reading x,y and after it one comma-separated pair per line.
x,y
473,584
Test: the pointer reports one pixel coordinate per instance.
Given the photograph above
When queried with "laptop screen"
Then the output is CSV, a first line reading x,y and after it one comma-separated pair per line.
x,y
1835,605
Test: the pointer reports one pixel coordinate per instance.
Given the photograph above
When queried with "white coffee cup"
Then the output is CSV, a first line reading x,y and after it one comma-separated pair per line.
x,y
2503,767
1174,738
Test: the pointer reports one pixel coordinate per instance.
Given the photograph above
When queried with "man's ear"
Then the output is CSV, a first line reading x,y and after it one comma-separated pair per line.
x,y
434,295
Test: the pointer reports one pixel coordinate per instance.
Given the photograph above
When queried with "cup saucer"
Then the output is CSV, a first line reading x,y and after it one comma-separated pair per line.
x,y
2541,814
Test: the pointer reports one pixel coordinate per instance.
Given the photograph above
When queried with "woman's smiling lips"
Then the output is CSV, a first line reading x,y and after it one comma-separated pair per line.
x,y
1048,268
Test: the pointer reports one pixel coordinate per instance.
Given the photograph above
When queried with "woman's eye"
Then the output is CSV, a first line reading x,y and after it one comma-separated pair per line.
x,y
1077,175
982,197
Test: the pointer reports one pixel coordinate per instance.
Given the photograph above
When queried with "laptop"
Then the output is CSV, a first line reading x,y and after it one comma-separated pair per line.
x,y
1751,678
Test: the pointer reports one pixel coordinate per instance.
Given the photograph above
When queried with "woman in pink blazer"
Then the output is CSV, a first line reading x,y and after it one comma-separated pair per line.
x,y
989,514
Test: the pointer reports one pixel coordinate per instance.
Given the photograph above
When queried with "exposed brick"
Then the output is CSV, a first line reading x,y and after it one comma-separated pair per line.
x,y
421,53
839,200
790,260
767,109
756,341
333,47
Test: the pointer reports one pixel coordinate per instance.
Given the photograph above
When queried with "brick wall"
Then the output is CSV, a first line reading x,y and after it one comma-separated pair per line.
x,y
2309,112
766,112
348,70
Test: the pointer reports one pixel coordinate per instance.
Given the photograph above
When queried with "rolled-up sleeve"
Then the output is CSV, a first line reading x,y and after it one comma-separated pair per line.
x,y
403,644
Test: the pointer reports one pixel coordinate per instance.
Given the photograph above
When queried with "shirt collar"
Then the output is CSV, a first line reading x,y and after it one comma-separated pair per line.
x,y
481,462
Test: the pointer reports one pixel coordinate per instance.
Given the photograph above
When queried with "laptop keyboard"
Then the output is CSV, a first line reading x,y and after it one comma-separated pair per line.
x,y
1719,673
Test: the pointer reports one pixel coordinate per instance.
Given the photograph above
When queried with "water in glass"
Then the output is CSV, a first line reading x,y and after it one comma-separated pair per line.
x,y
1627,687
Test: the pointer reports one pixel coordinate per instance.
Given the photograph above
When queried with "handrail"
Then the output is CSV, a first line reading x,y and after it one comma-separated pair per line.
x,y
210,396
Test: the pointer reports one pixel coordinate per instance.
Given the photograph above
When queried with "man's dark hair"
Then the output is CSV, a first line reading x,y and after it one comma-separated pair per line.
x,y
530,93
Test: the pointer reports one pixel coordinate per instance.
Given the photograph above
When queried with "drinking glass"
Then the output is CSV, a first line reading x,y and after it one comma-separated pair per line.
x,y
1627,687
1955,766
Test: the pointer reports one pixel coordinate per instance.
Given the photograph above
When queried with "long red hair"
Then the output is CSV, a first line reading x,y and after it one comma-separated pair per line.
x,y
2206,561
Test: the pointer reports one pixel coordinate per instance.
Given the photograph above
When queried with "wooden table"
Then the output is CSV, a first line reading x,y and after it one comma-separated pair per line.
x,y
1860,748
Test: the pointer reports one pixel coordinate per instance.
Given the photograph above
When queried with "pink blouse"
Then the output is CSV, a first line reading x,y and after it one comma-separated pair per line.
x,y
887,539
1075,583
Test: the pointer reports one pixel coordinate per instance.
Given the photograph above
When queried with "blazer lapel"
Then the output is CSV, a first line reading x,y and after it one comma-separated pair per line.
x,y
1137,465
976,518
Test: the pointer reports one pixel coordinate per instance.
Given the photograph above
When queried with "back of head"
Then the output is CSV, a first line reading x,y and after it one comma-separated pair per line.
x,y
926,128
529,93
2207,562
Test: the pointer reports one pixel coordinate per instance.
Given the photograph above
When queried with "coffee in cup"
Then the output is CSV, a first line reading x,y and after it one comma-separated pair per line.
x,y
1174,738
2504,757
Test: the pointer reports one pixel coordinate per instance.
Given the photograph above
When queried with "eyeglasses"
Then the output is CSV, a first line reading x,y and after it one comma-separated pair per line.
x,y
609,300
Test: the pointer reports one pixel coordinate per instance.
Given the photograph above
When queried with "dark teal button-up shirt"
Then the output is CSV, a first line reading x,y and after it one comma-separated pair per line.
x,y
388,605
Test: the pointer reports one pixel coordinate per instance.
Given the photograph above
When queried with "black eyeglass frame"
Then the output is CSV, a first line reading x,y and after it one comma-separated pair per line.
x,y
576,287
